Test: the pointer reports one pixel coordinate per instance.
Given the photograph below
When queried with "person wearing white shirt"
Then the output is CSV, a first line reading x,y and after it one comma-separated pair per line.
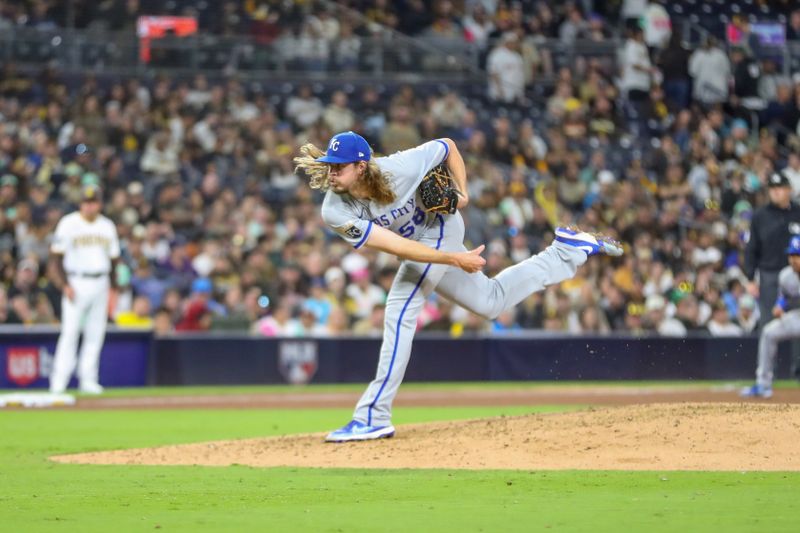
x,y
506,71
636,67
792,172
711,70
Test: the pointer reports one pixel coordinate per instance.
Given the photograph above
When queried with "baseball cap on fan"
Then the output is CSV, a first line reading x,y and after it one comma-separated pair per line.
x,y
346,147
778,180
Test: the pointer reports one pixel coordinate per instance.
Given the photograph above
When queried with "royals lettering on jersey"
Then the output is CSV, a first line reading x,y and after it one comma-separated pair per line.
x,y
353,219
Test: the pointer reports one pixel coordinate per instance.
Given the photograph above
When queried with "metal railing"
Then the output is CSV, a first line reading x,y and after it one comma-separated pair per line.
x,y
383,55
121,52
387,54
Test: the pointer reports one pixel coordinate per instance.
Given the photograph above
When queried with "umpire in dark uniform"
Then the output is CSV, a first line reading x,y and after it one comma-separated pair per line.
x,y
771,228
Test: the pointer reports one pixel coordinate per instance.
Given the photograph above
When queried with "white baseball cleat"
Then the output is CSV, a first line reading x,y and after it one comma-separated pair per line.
x,y
592,244
91,388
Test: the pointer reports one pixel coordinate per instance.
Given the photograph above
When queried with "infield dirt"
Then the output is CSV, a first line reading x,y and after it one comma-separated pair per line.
x,y
674,436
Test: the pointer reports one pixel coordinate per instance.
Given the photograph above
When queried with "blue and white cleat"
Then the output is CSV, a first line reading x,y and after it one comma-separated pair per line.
x,y
589,243
359,431
756,391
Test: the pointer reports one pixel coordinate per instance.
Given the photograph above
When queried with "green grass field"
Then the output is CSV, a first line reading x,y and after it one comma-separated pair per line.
x,y
38,495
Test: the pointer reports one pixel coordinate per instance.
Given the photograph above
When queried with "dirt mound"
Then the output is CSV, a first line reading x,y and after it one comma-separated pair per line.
x,y
735,436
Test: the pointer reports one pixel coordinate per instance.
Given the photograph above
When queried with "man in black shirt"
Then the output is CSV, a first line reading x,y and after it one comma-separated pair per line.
x,y
746,74
771,228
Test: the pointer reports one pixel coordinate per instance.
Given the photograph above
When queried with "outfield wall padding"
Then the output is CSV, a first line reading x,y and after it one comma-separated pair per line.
x,y
136,359
202,360
26,357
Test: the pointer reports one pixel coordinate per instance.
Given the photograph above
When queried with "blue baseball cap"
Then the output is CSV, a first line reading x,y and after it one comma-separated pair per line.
x,y
346,147
794,246
202,285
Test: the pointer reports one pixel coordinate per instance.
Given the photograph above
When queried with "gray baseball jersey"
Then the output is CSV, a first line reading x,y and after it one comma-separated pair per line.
x,y
787,326
354,219
789,288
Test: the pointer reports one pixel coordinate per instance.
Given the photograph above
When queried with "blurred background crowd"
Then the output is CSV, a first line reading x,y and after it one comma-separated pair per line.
x,y
664,147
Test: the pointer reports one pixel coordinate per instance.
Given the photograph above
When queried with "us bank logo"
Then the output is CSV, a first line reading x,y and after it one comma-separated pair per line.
x,y
26,364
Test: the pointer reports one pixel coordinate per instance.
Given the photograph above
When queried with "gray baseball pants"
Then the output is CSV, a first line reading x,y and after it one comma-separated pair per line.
x,y
777,330
487,297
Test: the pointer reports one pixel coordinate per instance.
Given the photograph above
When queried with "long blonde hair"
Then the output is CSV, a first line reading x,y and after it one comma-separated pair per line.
x,y
373,181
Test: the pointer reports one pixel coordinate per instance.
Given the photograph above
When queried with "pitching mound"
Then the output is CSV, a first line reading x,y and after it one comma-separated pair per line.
x,y
741,436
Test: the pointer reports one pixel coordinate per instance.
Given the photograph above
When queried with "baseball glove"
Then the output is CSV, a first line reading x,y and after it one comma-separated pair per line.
x,y
438,191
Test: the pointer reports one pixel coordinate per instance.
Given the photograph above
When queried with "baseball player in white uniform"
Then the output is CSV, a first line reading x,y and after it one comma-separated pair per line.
x,y
374,203
86,248
785,325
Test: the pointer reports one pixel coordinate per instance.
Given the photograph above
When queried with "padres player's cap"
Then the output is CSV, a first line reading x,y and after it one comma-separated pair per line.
x,y
91,192
778,180
794,246
346,147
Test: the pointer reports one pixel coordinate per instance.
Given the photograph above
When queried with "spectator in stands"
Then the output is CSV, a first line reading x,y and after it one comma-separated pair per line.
x,y
793,27
160,156
311,48
338,116
721,325
657,26
792,173
197,311
632,12
477,26
279,323
657,320
574,26
139,315
637,71
303,108
710,69
363,293
505,68
674,65
748,314
29,304
448,111
6,313
746,76
770,80
401,132
347,48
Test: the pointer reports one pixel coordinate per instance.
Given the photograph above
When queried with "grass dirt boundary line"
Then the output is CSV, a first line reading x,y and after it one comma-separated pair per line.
x,y
583,395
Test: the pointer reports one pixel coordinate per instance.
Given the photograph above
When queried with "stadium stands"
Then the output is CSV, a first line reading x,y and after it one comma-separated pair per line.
x,y
194,152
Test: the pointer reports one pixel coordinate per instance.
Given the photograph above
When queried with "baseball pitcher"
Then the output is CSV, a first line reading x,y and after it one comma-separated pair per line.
x,y
85,249
785,324
396,205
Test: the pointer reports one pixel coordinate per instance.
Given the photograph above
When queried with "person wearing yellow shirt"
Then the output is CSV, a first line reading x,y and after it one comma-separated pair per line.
x,y
138,317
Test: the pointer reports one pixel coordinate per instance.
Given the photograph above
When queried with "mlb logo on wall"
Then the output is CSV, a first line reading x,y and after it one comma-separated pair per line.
x,y
22,365
297,361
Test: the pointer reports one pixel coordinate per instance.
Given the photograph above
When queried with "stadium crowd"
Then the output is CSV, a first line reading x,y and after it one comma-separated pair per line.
x,y
666,149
